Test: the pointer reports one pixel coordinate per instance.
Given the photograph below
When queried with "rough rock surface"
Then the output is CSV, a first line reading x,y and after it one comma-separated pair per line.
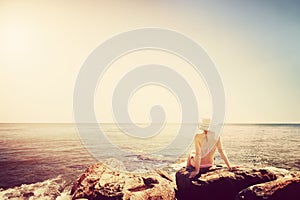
x,y
244,183
280,189
221,183
100,182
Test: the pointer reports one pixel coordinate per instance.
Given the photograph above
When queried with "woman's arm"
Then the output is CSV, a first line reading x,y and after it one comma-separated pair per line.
x,y
222,153
197,159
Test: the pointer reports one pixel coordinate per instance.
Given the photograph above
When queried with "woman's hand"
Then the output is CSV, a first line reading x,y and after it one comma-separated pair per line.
x,y
233,167
193,174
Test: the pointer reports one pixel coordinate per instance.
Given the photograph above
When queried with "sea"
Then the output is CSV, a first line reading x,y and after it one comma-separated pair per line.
x,y
42,161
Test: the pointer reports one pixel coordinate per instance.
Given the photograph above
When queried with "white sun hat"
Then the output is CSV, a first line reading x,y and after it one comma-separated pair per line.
x,y
204,125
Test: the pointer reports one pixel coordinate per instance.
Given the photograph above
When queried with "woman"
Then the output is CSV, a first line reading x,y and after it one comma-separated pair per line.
x,y
206,145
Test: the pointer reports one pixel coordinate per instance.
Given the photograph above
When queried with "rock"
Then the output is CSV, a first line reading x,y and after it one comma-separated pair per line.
x,y
221,183
244,183
101,182
283,188
27,195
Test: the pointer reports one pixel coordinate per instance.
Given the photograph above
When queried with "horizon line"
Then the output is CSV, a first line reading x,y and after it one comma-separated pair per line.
x,y
226,123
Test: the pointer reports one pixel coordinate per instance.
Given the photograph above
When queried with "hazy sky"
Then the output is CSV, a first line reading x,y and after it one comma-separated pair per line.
x,y
254,44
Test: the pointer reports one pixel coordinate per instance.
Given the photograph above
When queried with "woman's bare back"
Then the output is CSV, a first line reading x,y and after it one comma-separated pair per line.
x,y
204,153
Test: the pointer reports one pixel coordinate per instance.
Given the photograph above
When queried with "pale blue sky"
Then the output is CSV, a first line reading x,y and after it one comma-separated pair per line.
x,y
254,44
265,87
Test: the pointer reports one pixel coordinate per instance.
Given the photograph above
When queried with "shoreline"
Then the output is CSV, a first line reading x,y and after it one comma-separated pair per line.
x,y
60,188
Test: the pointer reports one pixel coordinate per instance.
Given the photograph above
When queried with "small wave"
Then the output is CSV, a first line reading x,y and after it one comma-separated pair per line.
x,y
51,189
154,158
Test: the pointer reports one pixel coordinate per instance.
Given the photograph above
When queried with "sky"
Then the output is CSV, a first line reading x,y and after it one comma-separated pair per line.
x,y
255,46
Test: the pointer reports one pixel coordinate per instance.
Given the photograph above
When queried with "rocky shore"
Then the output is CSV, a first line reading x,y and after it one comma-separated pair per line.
x,y
102,182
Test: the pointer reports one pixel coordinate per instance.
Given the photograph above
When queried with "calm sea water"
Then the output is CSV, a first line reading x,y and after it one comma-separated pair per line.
x,y
43,160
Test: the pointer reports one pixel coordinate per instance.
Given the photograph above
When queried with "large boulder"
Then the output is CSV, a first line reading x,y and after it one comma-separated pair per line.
x,y
221,183
101,182
280,189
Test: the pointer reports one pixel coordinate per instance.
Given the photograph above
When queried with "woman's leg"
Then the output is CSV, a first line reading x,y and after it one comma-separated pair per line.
x,y
188,162
193,161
